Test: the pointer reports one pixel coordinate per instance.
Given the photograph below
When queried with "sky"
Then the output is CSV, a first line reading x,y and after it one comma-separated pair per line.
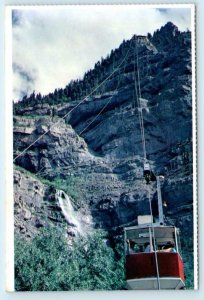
x,y
52,46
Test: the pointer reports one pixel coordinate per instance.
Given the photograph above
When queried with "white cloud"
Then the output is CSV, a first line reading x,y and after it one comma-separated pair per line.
x,y
54,45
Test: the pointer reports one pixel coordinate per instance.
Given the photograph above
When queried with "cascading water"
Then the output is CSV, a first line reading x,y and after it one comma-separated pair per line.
x,y
67,210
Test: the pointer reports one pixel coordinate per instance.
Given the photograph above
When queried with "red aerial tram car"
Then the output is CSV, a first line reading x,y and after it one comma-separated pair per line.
x,y
153,259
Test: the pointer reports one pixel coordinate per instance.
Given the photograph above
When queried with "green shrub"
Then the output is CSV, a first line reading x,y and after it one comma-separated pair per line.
x,y
48,263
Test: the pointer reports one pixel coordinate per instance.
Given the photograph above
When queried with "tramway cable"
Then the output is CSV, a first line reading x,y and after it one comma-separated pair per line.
x,y
142,131
139,102
154,240
137,97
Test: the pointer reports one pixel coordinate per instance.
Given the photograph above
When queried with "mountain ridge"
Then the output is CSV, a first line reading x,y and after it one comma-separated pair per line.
x,y
108,62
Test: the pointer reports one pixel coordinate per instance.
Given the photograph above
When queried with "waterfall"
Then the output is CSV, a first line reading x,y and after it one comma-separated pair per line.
x,y
67,210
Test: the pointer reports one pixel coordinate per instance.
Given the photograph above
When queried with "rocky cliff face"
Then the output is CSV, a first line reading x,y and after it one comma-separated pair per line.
x,y
95,154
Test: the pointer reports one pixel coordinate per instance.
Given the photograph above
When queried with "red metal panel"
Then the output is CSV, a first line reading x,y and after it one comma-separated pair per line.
x,y
181,268
143,265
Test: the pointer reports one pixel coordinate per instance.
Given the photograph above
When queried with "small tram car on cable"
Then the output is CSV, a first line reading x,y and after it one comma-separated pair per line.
x,y
153,257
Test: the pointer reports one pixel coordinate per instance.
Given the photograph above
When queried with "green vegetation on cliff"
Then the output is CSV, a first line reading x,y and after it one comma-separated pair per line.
x,y
48,263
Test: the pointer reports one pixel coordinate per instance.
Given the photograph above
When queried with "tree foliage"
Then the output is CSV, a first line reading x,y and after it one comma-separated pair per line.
x,y
48,263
